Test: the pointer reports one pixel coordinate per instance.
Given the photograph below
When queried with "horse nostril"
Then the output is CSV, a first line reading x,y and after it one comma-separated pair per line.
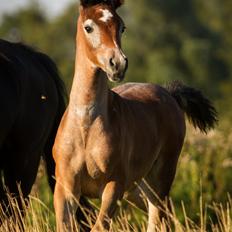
x,y
112,62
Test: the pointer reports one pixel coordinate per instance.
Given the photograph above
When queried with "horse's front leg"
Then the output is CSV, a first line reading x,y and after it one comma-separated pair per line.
x,y
66,197
112,192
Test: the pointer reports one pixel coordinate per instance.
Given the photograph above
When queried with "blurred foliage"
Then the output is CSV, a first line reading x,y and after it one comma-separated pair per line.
x,y
188,40
204,170
56,38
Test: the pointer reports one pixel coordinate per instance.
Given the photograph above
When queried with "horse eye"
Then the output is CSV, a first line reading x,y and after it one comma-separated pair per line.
x,y
88,29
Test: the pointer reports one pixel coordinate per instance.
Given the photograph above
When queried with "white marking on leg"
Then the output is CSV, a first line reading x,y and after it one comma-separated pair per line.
x,y
106,15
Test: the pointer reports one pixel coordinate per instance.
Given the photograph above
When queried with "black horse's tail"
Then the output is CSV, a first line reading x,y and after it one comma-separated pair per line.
x,y
199,110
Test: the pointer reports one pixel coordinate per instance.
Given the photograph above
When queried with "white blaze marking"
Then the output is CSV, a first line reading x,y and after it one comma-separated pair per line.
x,y
106,15
89,22
94,37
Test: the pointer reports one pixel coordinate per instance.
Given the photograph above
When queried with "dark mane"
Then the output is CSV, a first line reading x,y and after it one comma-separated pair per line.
x,y
13,50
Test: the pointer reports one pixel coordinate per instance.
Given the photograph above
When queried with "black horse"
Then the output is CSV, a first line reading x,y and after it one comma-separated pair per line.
x,y
32,102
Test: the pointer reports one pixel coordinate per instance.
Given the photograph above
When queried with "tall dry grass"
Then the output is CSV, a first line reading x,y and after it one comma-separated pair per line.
x,y
39,218
35,216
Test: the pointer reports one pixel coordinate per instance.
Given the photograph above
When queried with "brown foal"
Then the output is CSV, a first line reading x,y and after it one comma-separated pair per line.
x,y
109,140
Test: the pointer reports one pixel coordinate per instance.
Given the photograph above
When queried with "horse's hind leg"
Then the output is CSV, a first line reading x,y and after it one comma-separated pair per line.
x,y
156,186
154,189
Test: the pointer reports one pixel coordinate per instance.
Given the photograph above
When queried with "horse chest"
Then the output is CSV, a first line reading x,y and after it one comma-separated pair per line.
x,y
98,149
98,160
96,152
97,169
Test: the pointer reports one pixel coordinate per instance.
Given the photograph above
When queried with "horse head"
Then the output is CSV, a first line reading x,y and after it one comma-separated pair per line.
x,y
100,28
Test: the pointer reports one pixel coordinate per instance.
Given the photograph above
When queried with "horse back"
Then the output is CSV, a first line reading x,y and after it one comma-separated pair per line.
x,y
144,102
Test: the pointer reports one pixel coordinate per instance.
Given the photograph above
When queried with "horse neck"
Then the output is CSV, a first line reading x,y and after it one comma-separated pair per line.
x,y
89,94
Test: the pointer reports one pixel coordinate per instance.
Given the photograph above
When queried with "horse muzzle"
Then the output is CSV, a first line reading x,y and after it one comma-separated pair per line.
x,y
117,70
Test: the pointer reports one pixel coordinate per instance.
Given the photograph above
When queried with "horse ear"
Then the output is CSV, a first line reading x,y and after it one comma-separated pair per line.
x,y
117,3
93,2
88,2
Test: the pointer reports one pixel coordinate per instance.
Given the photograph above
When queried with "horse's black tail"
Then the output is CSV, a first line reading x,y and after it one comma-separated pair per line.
x,y
51,68
199,110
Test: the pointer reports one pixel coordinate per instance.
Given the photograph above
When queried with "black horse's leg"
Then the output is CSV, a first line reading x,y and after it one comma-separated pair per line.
x,y
20,172
3,200
50,164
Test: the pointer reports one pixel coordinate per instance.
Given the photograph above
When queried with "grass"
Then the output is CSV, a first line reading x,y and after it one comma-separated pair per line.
x,y
38,218
200,193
